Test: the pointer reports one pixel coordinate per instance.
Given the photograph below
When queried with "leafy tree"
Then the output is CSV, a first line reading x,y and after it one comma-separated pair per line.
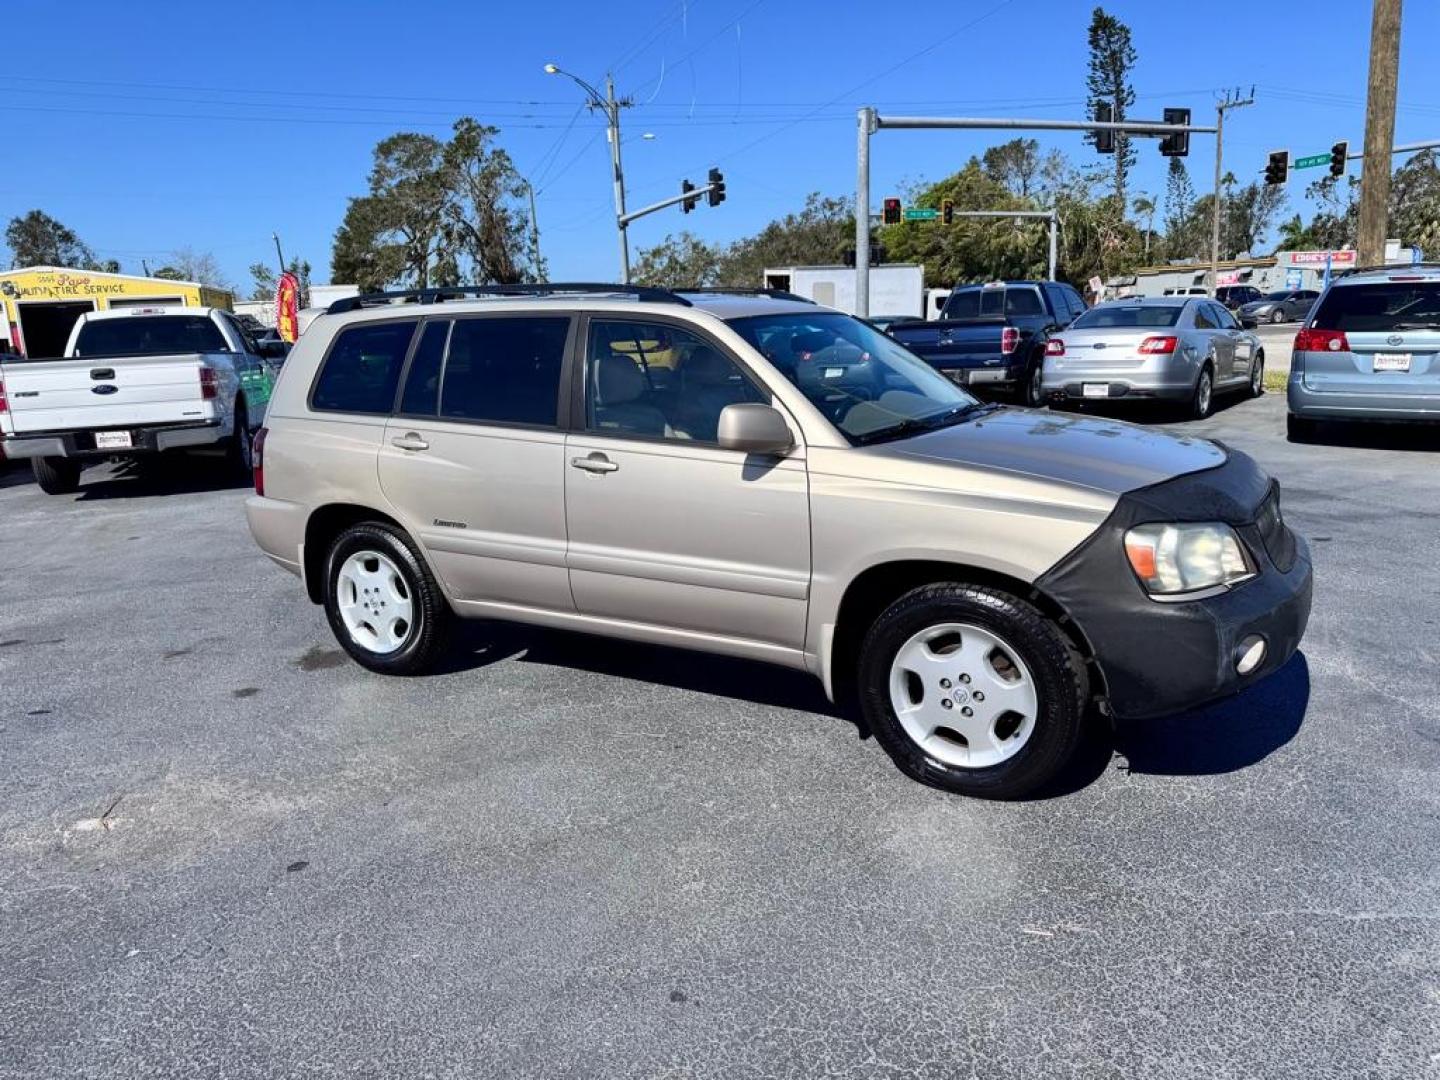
x,y
1014,165
37,239
818,234
678,262
1144,206
437,213
1108,82
1336,222
1415,202
187,264
1180,239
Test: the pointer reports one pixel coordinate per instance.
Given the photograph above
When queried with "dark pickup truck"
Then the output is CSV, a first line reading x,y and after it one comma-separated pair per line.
x,y
993,336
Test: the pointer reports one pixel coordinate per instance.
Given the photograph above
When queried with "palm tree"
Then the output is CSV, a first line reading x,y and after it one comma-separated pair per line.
x,y
1144,206
1293,235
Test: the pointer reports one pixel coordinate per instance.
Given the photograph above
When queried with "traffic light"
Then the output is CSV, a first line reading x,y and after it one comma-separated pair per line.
x,y
689,204
1178,144
891,214
1277,169
1105,140
1338,153
717,187
947,211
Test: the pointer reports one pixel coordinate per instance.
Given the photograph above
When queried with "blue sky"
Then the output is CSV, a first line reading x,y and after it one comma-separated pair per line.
x,y
148,126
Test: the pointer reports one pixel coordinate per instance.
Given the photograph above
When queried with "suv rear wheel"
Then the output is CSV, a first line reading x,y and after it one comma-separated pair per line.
x,y
384,606
972,690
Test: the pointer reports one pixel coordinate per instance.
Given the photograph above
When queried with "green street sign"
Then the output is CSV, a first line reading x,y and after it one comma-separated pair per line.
x,y
930,214
1311,161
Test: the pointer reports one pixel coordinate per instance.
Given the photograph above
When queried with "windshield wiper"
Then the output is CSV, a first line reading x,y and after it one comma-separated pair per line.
x,y
916,424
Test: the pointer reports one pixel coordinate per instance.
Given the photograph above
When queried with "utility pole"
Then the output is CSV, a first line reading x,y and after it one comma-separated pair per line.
x,y
278,253
1379,131
145,266
534,226
610,105
1231,101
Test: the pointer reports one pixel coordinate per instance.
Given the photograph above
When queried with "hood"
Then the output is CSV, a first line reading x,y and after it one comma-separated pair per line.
x,y
1102,455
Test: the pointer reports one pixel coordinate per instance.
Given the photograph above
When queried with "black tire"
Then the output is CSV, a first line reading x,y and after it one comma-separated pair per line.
x,y
240,455
56,475
1202,398
1277,317
1029,393
1299,430
1257,377
426,637
1058,672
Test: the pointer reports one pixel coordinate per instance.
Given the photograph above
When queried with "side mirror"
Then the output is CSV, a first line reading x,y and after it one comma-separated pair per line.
x,y
755,429
274,350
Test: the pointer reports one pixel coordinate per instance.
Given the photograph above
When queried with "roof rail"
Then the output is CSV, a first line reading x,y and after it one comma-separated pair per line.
x,y
442,293
731,290
1372,268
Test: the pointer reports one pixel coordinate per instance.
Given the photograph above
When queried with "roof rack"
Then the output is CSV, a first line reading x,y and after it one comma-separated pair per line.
x,y
440,294
1393,267
729,290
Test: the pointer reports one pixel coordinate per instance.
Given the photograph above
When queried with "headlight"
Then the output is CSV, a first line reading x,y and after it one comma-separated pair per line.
x,y
1174,559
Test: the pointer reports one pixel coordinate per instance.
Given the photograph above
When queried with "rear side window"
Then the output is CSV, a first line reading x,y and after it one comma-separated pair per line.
x,y
1381,306
504,370
149,335
363,368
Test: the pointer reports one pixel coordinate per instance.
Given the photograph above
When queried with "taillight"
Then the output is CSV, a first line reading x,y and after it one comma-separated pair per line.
x,y
1009,339
1310,340
4,406
1055,347
209,384
257,459
1152,346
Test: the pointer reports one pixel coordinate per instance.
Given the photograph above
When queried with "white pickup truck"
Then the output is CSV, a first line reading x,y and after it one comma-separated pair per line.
x,y
136,381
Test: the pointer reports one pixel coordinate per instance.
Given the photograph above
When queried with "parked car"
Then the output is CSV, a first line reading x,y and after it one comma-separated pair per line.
x,y
994,335
1234,297
805,492
135,381
1287,305
1171,348
1369,351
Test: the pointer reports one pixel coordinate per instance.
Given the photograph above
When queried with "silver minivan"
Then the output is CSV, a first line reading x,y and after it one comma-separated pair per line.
x,y
1172,348
1370,350
768,479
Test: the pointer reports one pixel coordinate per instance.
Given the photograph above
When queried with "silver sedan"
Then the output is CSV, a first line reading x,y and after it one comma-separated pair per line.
x,y
1171,348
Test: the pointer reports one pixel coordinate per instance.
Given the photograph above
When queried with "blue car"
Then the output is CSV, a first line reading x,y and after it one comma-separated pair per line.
x,y
1370,350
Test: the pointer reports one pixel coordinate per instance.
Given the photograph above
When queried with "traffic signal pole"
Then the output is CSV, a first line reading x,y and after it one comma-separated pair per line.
x,y
1220,109
870,122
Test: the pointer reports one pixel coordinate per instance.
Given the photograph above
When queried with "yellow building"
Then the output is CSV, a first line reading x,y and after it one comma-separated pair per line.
x,y
41,303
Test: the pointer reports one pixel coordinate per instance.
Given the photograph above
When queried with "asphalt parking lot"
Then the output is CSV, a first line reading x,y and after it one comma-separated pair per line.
x,y
225,850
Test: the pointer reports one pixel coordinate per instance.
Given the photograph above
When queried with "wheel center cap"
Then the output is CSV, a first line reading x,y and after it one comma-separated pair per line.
x,y
960,696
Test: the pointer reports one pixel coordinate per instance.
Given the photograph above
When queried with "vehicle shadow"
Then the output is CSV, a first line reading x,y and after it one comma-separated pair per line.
x,y
1224,737
479,644
1164,412
15,473
1424,438
178,475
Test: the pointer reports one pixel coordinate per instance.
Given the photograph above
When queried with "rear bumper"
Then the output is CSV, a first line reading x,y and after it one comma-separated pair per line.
x,y
982,375
278,528
1313,404
81,444
1134,382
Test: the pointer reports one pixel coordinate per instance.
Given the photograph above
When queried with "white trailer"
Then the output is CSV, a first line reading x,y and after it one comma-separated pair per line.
x,y
895,288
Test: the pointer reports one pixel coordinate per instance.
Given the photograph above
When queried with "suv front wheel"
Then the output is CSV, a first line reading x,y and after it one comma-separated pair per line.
x,y
972,690
383,604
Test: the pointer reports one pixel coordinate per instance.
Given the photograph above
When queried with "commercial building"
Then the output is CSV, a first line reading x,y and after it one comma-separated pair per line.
x,y
1268,273
41,303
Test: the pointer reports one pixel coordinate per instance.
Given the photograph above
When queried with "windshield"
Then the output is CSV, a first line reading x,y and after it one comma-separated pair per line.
x,y
1381,306
149,335
865,383
1117,315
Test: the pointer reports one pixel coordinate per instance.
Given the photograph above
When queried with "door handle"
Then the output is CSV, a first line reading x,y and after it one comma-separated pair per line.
x,y
410,441
594,463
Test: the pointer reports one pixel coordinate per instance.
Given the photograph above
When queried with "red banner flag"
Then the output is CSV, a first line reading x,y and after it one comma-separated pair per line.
x,y
287,306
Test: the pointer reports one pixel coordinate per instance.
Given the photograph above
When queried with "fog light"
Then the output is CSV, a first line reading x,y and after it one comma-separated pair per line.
x,y
1251,653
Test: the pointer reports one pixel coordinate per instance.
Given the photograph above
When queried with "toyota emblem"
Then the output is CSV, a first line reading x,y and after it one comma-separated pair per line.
x,y
1394,339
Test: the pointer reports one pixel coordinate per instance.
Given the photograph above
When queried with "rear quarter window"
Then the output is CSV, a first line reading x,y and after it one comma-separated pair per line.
x,y
362,369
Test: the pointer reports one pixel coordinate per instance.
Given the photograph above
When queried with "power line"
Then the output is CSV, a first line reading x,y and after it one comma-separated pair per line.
x,y
680,10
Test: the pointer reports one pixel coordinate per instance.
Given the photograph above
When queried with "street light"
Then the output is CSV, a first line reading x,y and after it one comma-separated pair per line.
x,y
611,108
